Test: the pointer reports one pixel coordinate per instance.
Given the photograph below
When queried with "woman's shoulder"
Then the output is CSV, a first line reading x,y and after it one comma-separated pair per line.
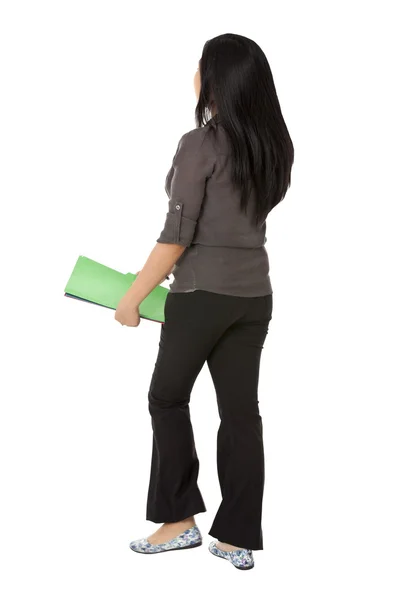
x,y
198,139
210,138
197,134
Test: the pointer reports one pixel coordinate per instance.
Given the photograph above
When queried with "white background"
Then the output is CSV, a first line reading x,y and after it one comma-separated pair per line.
x,y
94,99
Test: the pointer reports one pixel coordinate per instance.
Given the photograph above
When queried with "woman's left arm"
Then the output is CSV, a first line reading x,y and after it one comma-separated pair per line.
x,y
192,165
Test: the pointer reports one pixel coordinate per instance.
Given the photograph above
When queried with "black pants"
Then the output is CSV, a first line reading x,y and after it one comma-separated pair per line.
x,y
228,332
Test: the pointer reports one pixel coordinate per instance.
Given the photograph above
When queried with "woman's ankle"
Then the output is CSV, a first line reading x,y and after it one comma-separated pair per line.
x,y
188,522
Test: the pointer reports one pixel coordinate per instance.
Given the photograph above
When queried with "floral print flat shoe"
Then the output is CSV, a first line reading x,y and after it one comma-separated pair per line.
x,y
191,538
241,559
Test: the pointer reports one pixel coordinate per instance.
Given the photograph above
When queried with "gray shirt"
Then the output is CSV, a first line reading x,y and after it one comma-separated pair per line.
x,y
225,252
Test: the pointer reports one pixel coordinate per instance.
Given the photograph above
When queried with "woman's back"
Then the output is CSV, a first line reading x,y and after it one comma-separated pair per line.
x,y
225,249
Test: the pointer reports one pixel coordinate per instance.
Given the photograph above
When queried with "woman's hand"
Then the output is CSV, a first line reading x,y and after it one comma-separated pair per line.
x,y
127,313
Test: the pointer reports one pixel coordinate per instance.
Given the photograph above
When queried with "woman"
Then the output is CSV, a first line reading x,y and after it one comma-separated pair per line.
x,y
227,174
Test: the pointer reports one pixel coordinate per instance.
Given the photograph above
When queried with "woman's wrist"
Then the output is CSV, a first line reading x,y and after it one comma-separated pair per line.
x,y
131,293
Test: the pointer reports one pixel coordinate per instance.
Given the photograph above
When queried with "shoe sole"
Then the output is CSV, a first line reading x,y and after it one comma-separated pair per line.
x,y
240,568
169,549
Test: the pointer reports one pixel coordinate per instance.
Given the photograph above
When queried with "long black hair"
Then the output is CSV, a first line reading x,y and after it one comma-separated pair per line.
x,y
237,83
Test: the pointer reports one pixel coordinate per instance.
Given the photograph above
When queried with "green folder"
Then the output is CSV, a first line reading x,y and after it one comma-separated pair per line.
x,y
93,282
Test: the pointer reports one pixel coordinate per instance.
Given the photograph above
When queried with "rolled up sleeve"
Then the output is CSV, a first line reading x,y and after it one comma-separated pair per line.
x,y
192,165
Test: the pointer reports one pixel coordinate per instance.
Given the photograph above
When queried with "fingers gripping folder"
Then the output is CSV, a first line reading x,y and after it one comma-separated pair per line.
x,y
93,282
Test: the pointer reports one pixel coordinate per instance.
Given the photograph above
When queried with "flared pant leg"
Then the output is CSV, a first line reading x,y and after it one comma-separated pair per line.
x,y
194,321
234,366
